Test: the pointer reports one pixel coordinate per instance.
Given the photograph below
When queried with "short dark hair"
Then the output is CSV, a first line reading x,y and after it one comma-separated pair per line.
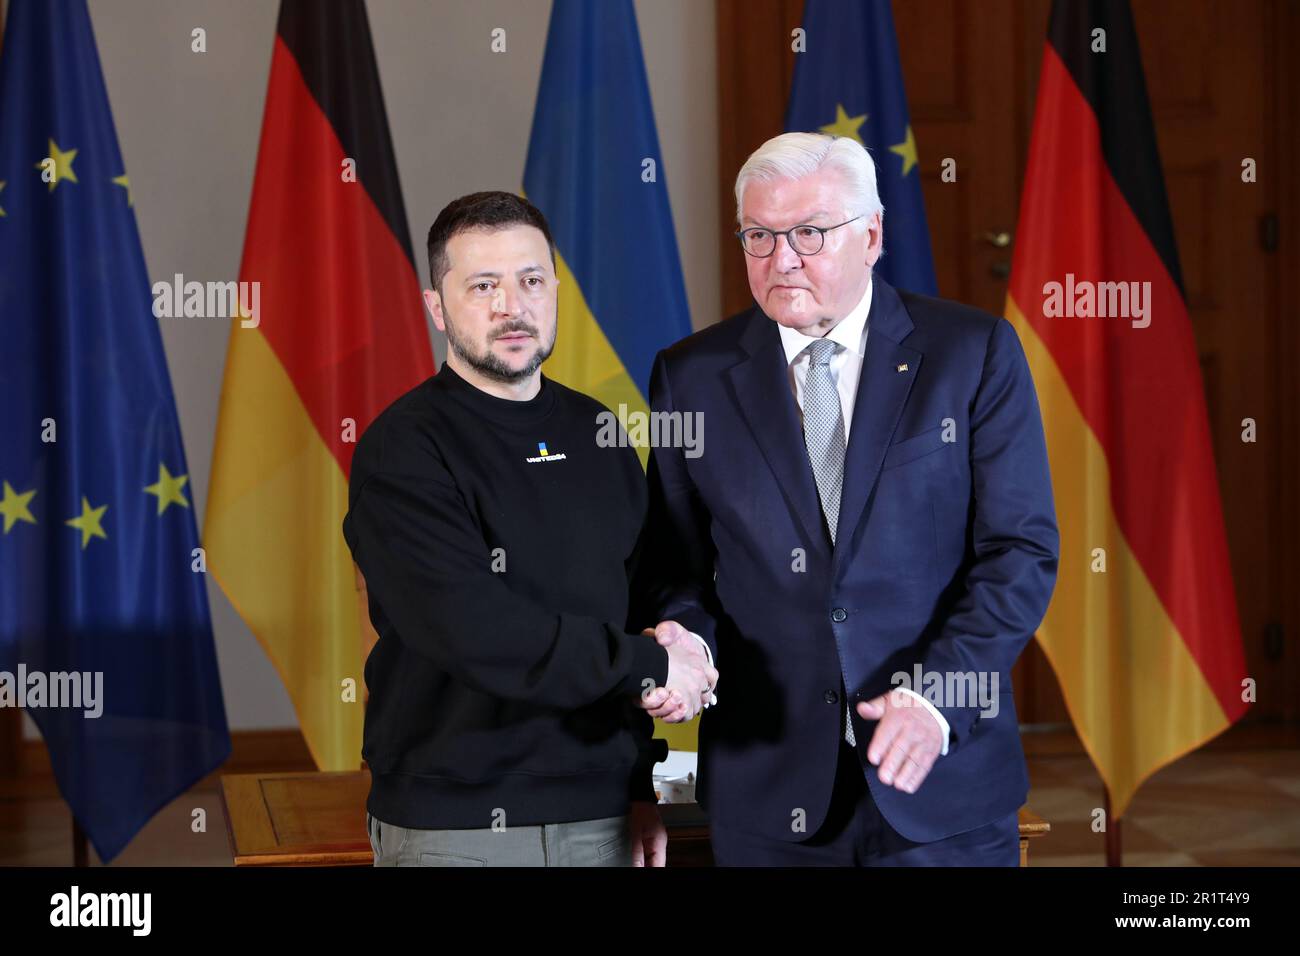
x,y
494,209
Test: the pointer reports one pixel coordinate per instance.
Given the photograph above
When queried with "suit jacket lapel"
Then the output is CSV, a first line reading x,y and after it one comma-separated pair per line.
x,y
763,394
882,393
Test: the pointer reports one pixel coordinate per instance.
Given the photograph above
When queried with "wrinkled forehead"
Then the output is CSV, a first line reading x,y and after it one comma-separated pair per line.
x,y
819,198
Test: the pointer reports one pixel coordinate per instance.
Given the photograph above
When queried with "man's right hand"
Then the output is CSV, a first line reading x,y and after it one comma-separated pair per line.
x,y
689,685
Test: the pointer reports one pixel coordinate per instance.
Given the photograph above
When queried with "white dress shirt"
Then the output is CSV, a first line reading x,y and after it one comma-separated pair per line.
x,y
850,333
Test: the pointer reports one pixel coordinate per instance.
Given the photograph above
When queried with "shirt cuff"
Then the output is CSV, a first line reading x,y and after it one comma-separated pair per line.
x,y
713,698
943,724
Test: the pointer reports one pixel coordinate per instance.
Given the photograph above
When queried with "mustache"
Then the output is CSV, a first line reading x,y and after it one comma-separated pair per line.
x,y
511,328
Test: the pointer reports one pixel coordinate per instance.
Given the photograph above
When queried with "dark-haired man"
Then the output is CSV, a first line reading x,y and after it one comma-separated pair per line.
x,y
509,714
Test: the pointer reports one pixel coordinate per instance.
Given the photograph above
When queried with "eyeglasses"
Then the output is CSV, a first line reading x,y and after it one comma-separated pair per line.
x,y
805,240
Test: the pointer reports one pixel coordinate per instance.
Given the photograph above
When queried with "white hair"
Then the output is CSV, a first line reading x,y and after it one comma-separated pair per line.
x,y
796,155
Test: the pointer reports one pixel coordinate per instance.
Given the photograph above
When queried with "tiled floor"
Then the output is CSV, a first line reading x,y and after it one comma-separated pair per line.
x,y
1208,809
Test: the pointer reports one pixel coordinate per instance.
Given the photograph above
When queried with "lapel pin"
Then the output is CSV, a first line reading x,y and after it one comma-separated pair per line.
x,y
903,367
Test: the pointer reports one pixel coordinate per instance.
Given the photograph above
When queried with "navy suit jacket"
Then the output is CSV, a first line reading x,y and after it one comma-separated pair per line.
x,y
945,556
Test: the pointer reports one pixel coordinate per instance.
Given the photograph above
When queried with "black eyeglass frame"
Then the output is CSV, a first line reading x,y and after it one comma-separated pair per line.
x,y
740,234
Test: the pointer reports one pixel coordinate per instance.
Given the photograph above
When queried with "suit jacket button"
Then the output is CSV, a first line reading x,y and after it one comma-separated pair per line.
x,y
839,615
832,697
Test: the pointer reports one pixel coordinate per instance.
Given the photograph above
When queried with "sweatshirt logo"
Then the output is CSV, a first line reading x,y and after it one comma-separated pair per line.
x,y
543,454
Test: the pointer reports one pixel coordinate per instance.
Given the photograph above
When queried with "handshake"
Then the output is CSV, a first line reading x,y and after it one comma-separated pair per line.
x,y
691,676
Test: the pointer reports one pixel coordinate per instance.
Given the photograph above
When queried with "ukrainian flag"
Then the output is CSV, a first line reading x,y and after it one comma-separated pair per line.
x,y
595,170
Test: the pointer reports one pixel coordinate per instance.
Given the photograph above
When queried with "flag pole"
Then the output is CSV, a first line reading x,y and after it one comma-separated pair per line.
x,y
1114,848
80,856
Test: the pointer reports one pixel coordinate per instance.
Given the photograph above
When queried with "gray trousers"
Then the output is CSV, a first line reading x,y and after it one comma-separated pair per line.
x,y
604,842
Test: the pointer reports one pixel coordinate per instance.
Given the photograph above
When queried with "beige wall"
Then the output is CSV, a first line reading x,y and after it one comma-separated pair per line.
x,y
460,116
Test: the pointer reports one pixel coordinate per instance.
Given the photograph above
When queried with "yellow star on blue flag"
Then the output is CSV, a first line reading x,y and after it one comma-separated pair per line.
x,y
845,125
906,149
125,183
13,506
89,522
59,163
168,489
851,71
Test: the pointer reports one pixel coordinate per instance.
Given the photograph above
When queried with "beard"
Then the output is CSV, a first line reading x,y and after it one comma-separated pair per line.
x,y
487,363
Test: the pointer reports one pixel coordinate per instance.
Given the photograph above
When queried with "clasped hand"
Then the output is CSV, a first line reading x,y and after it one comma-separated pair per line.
x,y
691,679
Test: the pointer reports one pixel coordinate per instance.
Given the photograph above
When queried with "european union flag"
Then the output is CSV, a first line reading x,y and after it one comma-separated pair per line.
x,y
105,637
848,82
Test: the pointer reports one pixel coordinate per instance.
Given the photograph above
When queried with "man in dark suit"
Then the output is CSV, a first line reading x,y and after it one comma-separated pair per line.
x,y
866,543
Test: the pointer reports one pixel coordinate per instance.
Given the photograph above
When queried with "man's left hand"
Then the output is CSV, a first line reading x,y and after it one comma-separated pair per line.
x,y
906,742
649,837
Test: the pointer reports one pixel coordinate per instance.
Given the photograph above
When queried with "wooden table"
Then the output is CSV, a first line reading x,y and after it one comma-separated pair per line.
x,y
297,819
319,819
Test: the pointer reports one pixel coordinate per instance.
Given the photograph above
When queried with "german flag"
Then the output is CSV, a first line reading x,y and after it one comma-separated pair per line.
x,y
1143,630
340,335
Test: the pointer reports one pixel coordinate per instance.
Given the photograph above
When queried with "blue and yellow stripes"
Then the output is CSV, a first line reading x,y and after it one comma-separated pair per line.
x,y
595,170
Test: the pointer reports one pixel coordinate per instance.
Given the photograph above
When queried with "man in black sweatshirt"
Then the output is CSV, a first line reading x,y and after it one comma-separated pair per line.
x,y
509,720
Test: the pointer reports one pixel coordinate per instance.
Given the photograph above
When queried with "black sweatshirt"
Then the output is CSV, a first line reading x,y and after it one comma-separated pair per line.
x,y
497,541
